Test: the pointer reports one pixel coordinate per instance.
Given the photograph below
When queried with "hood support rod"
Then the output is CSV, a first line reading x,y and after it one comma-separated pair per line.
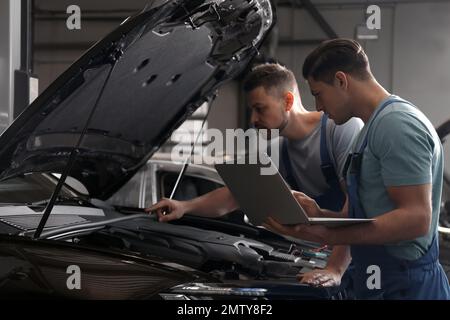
x,y
114,57
188,159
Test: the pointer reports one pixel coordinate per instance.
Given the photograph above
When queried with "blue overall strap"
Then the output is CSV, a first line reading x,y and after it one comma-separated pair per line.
x,y
288,166
355,207
388,102
326,165
332,198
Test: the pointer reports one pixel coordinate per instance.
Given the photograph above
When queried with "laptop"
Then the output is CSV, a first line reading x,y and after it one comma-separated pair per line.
x,y
260,196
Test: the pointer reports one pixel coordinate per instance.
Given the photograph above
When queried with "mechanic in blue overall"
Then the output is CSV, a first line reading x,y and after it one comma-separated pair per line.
x,y
394,175
313,153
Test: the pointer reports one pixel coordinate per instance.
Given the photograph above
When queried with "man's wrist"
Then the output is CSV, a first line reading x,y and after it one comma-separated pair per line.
x,y
337,270
188,205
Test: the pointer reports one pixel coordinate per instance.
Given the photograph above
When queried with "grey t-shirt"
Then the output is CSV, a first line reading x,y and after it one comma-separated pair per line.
x,y
304,155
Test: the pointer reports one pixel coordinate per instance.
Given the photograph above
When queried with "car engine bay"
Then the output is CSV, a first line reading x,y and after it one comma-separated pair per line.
x,y
222,255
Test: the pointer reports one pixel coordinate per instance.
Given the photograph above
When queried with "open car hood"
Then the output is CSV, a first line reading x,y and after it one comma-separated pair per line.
x,y
145,79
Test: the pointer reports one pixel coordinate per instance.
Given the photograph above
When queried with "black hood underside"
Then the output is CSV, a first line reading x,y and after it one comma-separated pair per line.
x,y
144,80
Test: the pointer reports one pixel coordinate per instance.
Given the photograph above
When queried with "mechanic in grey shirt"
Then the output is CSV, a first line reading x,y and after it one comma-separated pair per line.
x,y
300,159
312,155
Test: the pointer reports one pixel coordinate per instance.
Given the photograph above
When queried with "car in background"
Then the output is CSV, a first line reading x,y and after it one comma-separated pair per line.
x,y
443,131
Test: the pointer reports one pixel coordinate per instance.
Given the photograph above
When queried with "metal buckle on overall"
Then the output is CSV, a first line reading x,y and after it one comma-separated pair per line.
x,y
328,172
356,161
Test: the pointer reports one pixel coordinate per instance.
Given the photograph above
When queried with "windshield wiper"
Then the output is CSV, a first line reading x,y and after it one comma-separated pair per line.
x,y
90,226
61,199
113,56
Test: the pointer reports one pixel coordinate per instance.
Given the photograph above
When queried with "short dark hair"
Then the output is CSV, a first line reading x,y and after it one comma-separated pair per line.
x,y
270,76
335,55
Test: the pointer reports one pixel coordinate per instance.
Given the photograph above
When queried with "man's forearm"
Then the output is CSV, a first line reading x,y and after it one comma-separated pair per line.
x,y
213,204
391,227
339,259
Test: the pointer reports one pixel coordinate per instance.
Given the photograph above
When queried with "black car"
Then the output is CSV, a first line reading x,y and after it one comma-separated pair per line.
x,y
443,131
93,129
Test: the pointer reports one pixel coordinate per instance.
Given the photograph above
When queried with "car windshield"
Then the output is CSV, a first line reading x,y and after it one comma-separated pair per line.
x,y
30,188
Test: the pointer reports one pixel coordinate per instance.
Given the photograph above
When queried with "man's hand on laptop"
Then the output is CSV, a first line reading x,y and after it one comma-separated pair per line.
x,y
168,210
309,205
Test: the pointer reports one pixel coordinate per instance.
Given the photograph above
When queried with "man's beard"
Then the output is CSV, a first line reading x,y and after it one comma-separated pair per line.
x,y
279,129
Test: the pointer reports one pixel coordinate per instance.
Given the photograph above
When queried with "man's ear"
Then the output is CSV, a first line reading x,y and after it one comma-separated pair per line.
x,y
341,80
288,101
